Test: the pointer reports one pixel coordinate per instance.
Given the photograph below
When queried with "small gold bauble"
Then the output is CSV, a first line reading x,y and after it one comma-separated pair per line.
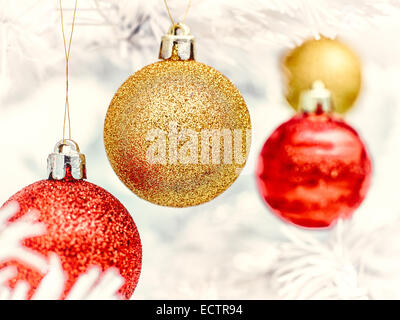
x,y
156,132
329,61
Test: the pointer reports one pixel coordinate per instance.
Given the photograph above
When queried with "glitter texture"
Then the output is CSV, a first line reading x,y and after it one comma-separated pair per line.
x,y
86,226
314,169
192,95
329,61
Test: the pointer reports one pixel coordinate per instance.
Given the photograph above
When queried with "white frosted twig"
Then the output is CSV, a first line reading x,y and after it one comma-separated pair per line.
x,y
7,273
20,292
95,285
12,235
52,285
309,268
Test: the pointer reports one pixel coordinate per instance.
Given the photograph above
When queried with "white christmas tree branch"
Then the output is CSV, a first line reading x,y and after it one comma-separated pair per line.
x,y
319,269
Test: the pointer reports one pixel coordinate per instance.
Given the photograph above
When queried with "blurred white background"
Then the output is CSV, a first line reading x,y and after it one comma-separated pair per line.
x,y
232,247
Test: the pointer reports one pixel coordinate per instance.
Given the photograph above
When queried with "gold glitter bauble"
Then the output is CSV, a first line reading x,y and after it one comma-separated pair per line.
x,y
327,60
156,133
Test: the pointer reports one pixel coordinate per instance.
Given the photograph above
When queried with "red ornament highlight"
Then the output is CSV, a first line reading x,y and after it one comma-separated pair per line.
x,y
313,170
86,226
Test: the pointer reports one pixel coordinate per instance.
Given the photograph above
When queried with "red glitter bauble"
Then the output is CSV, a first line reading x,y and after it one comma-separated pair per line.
x,y
86,226
313,170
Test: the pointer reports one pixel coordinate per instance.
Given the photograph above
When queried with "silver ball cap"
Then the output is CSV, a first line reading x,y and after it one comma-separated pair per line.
x,y
316,97
183,43
66,153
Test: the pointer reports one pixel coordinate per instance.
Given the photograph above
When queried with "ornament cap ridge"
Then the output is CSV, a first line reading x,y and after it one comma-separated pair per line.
x,y
178,43
318,96
66,153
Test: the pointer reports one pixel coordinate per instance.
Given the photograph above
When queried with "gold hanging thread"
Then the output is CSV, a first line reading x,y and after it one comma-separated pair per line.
x,y
67,55
170,14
